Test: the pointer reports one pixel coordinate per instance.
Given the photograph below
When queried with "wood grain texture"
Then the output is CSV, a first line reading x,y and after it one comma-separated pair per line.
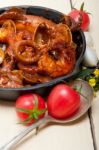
x,y
52,137
75,136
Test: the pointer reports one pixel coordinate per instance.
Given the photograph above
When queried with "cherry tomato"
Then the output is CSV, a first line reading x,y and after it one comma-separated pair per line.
x,y
80,17
30,107
63,101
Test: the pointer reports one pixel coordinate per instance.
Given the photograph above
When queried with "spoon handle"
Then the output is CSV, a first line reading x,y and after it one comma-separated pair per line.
x,y
17,138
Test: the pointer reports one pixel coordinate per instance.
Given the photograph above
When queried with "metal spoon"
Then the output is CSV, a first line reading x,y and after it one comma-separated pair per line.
x,y
86,101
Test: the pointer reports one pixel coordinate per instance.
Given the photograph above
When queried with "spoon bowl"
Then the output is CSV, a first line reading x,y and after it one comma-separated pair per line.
x,y
86,95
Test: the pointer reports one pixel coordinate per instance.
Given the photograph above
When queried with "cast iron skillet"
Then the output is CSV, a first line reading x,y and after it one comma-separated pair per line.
x,y
78,38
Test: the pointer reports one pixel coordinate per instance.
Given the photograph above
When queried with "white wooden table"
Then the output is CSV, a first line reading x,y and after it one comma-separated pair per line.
x,y
83,134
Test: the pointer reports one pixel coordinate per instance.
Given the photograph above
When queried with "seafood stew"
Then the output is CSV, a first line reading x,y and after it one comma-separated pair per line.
x,y
37,49
15,72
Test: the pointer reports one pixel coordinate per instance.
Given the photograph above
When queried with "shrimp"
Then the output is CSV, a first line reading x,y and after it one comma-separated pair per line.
x,y
60,58
35,78
36,20
28,68
11,79
62,34
57,62
12,14
7,37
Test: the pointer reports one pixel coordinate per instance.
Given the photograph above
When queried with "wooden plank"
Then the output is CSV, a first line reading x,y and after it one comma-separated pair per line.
x,y
55,137
92,128
76,136
95,121
94,30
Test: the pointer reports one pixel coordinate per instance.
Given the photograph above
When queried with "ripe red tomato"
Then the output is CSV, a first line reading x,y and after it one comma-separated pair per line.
x,y
80,17
30,107
63,101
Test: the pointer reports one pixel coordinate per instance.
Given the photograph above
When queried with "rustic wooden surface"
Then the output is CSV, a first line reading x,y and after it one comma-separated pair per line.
x,y
81,135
